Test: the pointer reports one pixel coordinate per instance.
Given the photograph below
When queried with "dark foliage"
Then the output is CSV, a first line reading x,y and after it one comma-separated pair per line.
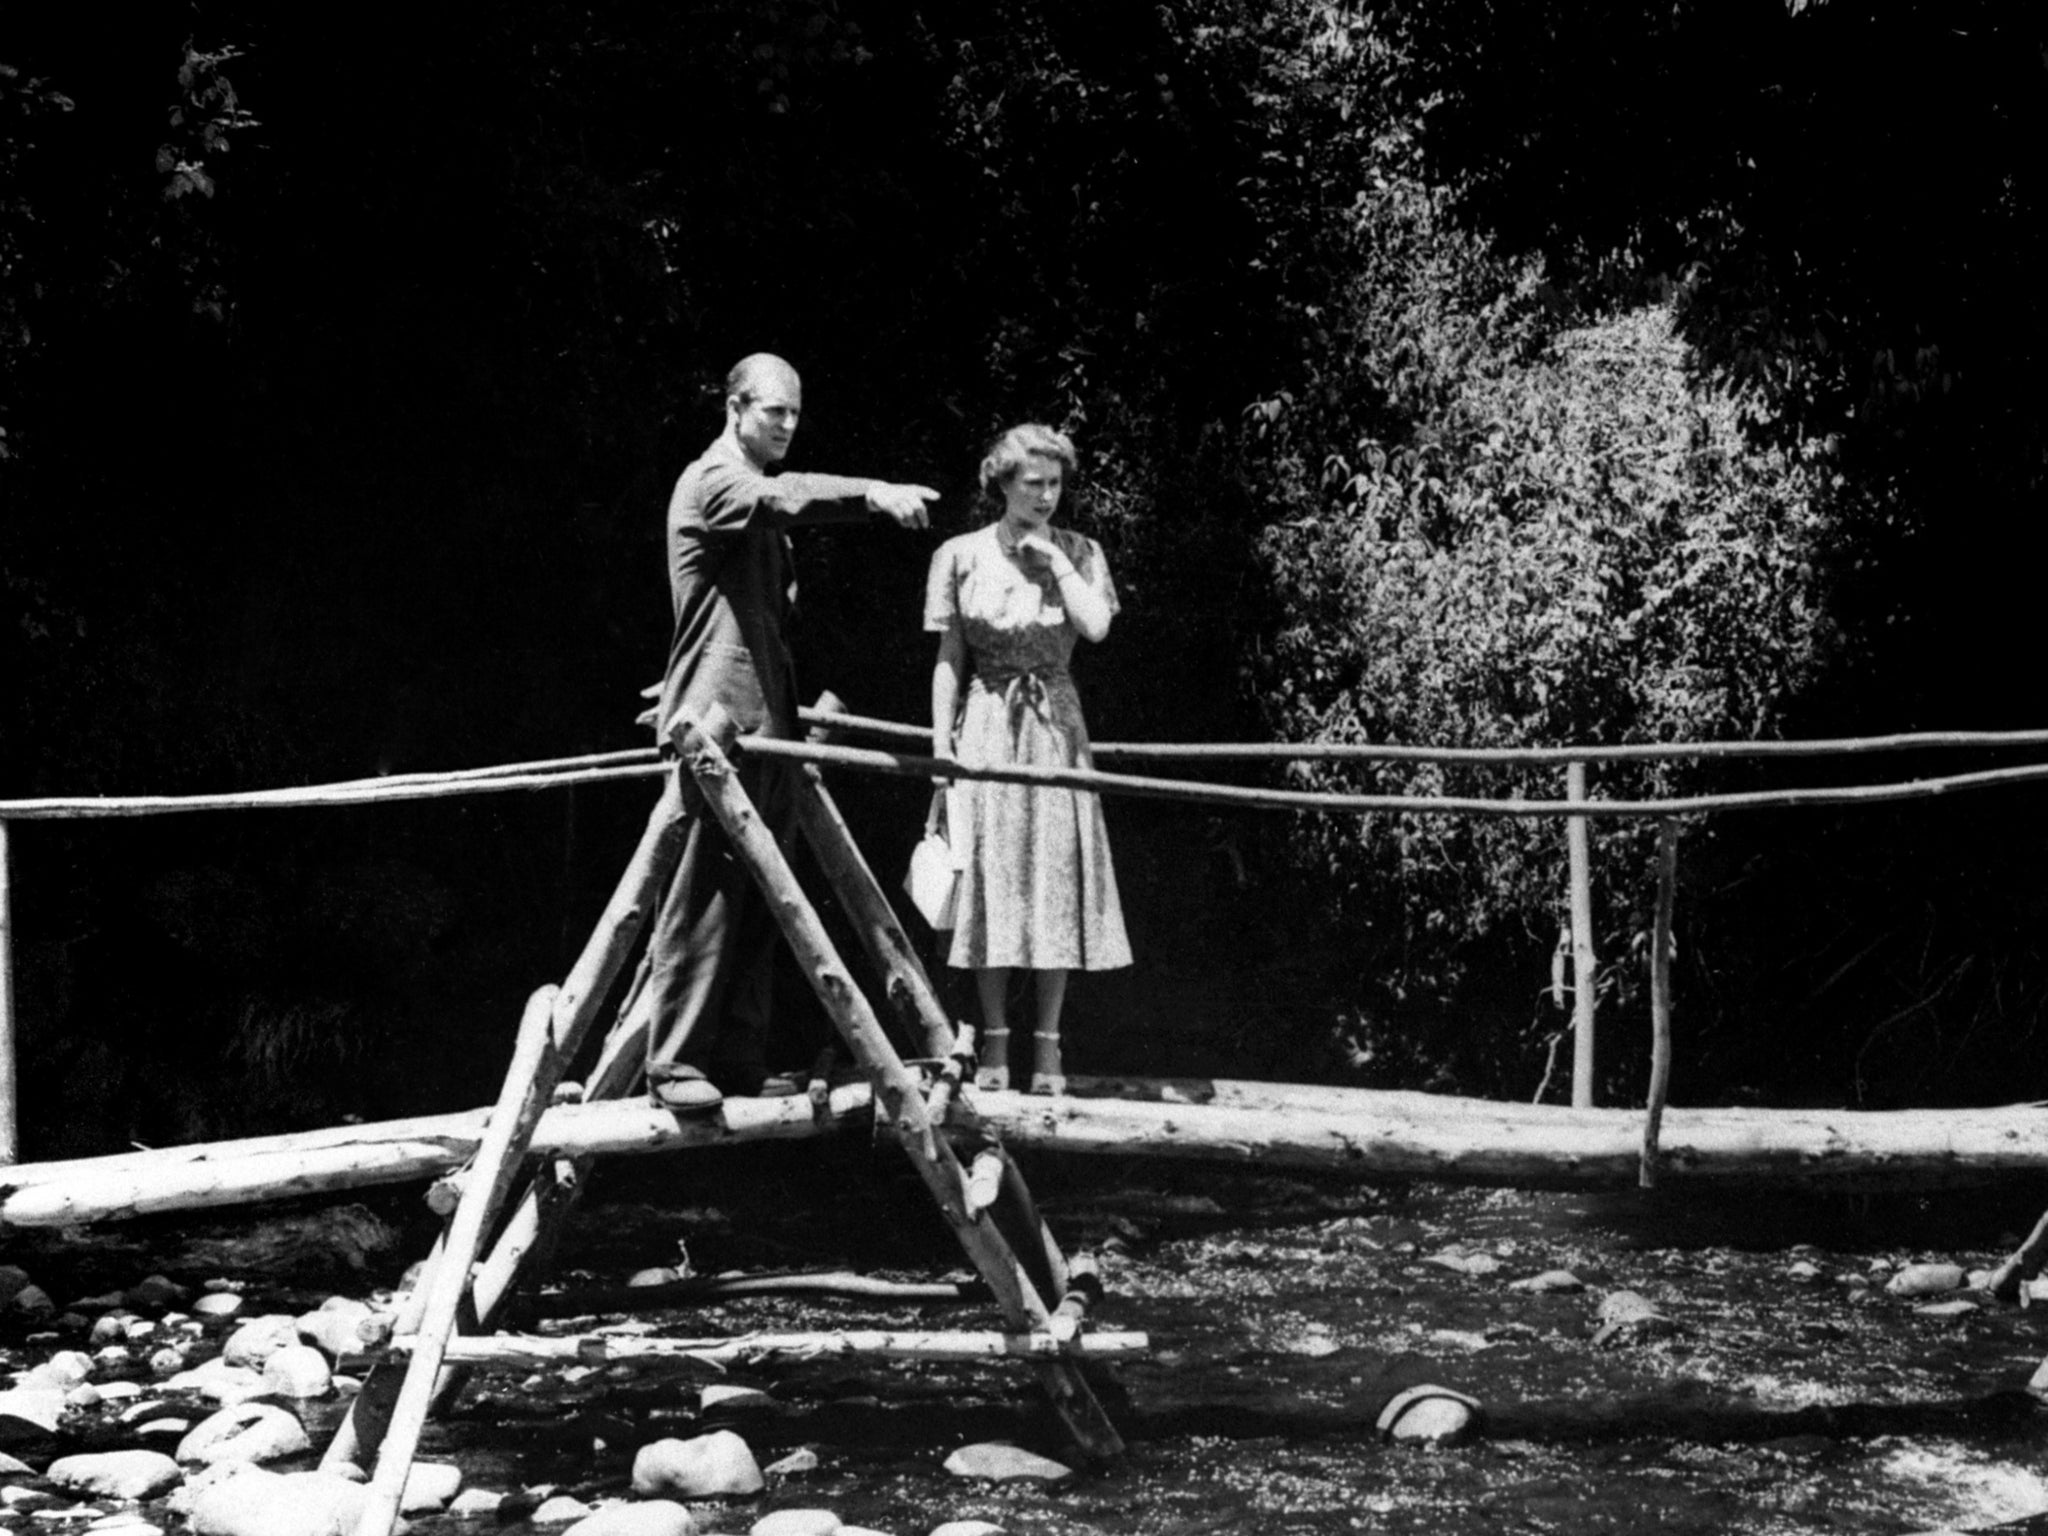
x,y
346,359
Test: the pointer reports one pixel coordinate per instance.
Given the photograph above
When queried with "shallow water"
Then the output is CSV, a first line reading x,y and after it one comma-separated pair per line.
x,y
1283,1314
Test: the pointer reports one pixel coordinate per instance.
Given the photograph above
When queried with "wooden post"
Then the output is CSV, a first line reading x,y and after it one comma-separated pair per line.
x,y
1660,997
497,1160
899,1098
1585,966
10,1124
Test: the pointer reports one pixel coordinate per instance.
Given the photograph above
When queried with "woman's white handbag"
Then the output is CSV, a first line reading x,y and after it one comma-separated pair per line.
x,y
933,882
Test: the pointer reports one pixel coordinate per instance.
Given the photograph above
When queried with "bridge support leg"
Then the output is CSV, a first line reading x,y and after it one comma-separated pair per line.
x,y
899,1098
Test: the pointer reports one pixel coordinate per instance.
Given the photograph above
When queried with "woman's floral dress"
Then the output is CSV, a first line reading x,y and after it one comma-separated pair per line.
x,y
1038,890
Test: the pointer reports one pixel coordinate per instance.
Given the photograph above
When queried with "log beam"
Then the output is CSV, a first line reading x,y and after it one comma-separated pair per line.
x,y
527,1352
1367,1134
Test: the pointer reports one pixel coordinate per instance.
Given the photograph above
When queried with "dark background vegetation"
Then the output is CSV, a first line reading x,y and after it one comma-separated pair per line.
x,y
346,359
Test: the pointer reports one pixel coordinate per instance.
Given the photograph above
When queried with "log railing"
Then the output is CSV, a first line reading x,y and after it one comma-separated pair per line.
x,y
985,1199
1577,806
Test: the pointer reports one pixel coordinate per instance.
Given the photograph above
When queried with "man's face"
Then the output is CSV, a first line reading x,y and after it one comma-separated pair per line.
x,y
767,420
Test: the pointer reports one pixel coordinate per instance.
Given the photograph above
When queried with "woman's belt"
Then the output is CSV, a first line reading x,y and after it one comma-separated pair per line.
x,y
1027,688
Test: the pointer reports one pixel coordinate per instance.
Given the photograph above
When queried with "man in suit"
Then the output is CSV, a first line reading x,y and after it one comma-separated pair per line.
x,y
731,585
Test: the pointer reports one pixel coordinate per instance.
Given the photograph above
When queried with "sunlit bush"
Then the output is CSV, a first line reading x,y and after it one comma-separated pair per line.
x,y
1510,538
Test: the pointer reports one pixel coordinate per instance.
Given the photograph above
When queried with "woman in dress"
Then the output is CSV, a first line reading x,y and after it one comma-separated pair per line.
x,y
1008,602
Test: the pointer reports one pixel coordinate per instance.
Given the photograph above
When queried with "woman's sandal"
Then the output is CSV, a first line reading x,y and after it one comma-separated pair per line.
x,y
996,1079
1052,1082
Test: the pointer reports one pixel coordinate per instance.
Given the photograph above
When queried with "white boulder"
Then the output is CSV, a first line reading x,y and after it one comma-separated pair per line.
x,y
298,1370
1001,1463
245,1432
130,1475
651,1517
250,1501
708,1466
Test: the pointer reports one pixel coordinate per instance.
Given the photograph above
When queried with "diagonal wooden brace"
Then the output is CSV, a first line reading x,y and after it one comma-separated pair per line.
x,y
525,1095
909,988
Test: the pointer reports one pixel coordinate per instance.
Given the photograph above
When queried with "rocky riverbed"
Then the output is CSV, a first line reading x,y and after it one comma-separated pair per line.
x,y
1611,1363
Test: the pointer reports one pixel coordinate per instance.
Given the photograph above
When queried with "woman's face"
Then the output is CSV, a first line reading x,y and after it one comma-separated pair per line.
x,y
1032,494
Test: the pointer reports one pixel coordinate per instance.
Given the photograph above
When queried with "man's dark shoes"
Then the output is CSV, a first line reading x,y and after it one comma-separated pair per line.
x,y
682,1088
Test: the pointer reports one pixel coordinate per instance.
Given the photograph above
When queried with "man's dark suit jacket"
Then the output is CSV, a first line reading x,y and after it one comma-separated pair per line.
x,y
732,584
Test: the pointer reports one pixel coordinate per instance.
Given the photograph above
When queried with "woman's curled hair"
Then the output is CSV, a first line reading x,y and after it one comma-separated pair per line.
x,y
1008,453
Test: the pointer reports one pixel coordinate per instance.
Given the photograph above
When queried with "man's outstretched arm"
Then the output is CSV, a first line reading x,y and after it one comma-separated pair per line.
x,y
733,498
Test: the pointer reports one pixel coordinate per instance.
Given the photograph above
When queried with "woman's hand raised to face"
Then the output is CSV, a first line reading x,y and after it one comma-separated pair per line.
x,y
1039,551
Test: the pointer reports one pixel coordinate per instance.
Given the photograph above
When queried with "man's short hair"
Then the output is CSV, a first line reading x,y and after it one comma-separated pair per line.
x,y
1008,453
749,373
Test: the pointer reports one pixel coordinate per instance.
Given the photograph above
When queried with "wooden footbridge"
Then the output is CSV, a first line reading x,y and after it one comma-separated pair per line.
x,y
504,1178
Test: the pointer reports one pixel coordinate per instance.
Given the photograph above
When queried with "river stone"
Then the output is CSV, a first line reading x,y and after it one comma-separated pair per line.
x,y
258,1339
1550,1281
32,1302
67,1367
157,1292
1001,1463
1624,1314
1962,1306
429,1485
130,1475
111,1327
640,1279
166,1362
299,1370
732,1399
802,1459
245,1432
164,1428
250,1501
219,1381
560,1510
968,1528
84,1395
27,1413
797,1522
707,1466
476,1501
218,1304
38,1379
336,1326
653,1517
14,1466
13,1281
1926,1280
1463,1263
124,1522
1429,1415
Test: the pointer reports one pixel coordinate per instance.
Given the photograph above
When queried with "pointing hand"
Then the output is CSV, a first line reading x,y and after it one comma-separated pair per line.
x,y
905,504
